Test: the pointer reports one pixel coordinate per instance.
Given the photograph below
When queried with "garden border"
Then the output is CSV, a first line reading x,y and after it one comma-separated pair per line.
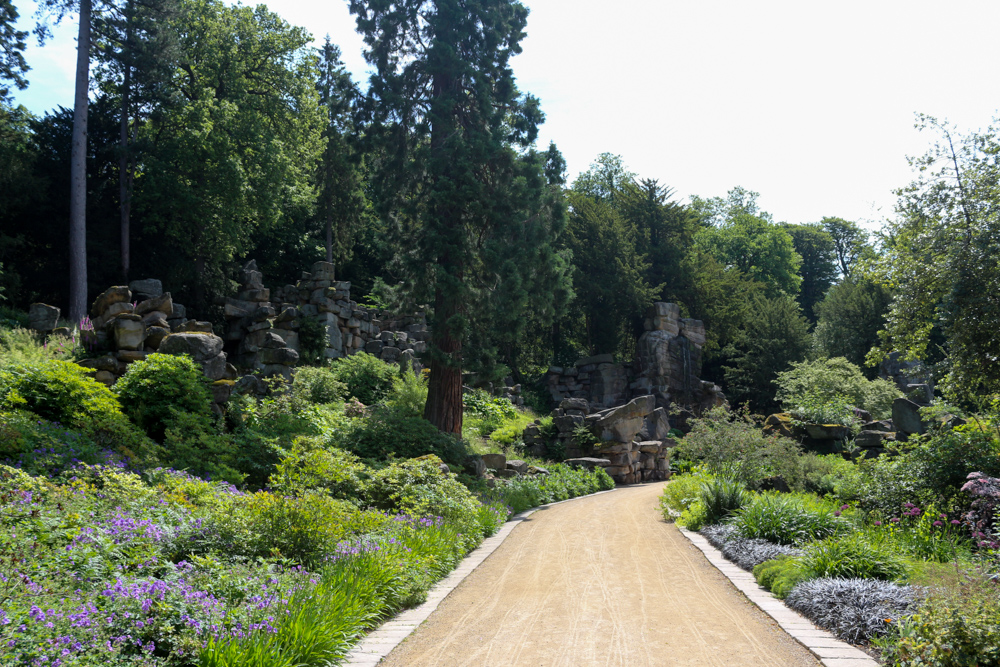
x,y
380,642
830,651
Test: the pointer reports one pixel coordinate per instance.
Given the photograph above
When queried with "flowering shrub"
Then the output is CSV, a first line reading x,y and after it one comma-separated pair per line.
x,y
981,517
924,534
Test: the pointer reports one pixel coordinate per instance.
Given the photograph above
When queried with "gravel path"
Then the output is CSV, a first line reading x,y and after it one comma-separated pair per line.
x,y
598,581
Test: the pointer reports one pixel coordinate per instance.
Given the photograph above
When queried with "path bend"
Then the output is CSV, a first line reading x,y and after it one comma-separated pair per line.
x,y
598,581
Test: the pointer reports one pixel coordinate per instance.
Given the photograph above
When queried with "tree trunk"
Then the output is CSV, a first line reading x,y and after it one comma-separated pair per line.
x,y
78,174
124,159
444,390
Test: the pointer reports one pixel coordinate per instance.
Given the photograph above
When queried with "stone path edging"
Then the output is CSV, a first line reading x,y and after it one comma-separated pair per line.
x,y
830,651
381,641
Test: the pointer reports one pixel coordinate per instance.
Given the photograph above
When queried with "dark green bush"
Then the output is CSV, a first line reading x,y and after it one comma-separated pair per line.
x,y
368,378
780,575
318,385
852,556
191,444
59,391
722,497
730,444
787,519
388,433
313,339
932,470
154,388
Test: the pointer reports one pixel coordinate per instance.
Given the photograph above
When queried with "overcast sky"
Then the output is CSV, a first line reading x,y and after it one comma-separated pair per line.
x,y
810,104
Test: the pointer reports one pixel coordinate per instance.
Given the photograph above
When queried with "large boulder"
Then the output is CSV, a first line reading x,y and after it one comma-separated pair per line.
x,y
111,295
495,461
621,424
149,288
906,416
163,303
42,317
664,317
656,426
198,345
280,355
128,331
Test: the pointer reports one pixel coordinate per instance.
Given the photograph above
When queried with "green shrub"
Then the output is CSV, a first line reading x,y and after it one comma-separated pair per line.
x,y
418,487
721,497
730,444
306,528
956,626
22,346
311,467
780,575
409,394
787,519
12,318
317,385
828,474
824,380
931,470
191,444
368,378
313,339
153,389
390,433
814,409
681,492
852,556
487,413
562,482
58,391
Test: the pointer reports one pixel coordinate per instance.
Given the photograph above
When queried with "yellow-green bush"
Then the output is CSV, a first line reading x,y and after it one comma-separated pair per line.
x,y
418,487
305,529
311,467
59,391
781,575
681,493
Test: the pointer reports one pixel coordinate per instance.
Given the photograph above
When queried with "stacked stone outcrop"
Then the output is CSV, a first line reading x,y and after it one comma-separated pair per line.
x,y
631,441
130,322
264,326
598,380
668,360
666,366
252,328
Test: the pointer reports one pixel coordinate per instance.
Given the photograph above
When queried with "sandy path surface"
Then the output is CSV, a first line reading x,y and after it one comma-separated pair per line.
x,y
598,581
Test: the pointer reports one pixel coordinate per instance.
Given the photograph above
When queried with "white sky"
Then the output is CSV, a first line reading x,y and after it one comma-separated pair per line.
x,y
811,104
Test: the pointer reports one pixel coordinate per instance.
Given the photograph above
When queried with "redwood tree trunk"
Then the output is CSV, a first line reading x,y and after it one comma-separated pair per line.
x,y
444,389
78,174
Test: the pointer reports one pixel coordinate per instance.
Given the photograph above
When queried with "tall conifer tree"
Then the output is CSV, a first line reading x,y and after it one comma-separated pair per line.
x,y
445,109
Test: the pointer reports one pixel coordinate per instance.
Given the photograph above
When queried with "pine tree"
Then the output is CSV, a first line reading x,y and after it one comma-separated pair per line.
x,y
448,118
